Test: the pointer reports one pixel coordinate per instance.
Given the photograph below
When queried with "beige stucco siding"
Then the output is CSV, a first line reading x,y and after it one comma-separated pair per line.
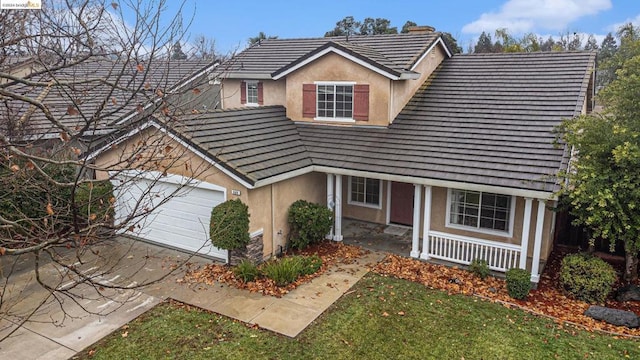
x,y
274,93
364,213
311,187
333,67
403,91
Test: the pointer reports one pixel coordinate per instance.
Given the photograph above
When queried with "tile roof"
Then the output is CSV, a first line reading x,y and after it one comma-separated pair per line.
x,y
398,52
484,119
121,86
254,143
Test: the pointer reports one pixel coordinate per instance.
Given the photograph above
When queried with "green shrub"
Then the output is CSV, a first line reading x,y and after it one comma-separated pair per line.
x,y
229,228
283,271
309,223
518,283
95,201
311,264
246,270
480,268
587,277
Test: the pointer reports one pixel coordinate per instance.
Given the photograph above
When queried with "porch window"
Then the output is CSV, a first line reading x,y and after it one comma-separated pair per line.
x,y
480,210
365,191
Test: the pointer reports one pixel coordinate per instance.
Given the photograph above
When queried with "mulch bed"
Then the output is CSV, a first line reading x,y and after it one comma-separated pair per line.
x,y
547,300
332,253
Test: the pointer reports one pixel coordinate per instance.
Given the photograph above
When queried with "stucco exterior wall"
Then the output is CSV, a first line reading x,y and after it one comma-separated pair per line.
x,y
311,187
274,93
364,213
333,67
402,91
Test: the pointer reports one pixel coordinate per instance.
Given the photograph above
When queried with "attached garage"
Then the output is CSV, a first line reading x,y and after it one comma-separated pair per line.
x,y
182,221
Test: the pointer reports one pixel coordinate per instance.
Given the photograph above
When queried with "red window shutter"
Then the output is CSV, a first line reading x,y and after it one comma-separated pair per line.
x,y
260,96
308,100
361,102
243,92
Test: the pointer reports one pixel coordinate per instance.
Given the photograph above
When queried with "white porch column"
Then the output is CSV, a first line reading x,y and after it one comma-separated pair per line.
x,y
526,226
415,240
426,223
537,244
330,201
338,212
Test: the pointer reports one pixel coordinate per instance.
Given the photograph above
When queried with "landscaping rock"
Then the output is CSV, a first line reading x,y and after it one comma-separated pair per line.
x,y
628,293
613,316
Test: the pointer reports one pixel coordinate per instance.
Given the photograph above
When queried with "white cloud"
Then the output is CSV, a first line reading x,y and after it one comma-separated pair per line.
x,y
614,27
521,16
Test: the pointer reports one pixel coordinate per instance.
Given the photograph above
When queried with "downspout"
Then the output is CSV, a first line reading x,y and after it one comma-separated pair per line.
x,y
273,224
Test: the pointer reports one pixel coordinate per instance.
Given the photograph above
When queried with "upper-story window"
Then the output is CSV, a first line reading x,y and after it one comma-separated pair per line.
x,y
251,92
335,101
482,211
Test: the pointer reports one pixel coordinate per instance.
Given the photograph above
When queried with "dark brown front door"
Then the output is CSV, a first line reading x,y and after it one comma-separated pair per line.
x,y
401,203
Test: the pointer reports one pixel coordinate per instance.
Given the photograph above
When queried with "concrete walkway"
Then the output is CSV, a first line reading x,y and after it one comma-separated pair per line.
x,y
288,315
58,332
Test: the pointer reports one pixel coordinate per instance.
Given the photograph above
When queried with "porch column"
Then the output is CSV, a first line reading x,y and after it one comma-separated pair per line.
x,y
537,244
338,213
330,201
426,223
415,240
526,226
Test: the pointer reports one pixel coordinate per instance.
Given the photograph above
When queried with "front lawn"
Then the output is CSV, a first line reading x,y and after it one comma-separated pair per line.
x,y
381,318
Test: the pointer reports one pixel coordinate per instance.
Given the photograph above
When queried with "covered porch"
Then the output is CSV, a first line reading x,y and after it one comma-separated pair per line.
x,y
442,241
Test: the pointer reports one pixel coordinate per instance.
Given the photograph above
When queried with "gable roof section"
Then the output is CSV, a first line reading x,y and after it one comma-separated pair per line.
x,y
482,119
120,86
394,54
251,143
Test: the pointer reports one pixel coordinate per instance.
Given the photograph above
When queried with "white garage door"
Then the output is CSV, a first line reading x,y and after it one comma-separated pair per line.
x,y
182,221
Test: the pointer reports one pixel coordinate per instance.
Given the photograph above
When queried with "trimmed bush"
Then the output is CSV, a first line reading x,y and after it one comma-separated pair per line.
x,y
229,228
246,270
309,223
587,277
518,283
480,268
283,271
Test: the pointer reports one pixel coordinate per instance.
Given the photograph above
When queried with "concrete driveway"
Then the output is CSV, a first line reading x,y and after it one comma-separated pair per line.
x,y
62,326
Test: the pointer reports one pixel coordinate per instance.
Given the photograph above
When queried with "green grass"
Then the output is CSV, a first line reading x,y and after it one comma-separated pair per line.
x,y
366,324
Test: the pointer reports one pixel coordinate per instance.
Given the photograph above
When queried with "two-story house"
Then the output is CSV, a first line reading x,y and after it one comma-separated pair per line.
x,y
384,128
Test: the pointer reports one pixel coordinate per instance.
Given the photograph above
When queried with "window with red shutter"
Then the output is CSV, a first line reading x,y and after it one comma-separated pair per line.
x,y
361,102
243,92
308,100
260,94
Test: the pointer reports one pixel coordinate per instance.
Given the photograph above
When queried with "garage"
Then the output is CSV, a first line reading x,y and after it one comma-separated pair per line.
x,y
182,221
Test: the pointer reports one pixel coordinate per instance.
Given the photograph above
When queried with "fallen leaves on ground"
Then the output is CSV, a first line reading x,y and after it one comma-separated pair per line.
x,y
547,299
331,254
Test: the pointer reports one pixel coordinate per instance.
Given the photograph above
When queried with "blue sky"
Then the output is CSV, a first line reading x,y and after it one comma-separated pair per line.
x,y
231,23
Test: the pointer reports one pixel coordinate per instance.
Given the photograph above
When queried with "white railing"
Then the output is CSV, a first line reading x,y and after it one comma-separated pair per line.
x,y
462,250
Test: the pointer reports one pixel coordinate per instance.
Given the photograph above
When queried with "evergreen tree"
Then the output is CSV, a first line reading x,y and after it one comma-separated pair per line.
x,y
484,44
407,25
177,53
592,43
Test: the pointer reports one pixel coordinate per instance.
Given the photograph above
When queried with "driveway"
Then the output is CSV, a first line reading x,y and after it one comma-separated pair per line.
x,y
60,326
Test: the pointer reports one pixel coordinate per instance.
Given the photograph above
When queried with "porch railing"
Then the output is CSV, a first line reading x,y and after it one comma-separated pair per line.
x,y
462,250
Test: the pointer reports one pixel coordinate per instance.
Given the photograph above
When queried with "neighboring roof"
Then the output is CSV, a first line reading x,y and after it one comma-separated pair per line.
x,y
252,143
396,53
123,87
483,119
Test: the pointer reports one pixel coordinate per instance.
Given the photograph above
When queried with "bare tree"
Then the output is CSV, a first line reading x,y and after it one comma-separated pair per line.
x,y
204,48
73,77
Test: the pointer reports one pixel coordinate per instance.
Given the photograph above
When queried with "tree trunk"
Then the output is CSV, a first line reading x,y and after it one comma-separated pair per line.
x,y
630,263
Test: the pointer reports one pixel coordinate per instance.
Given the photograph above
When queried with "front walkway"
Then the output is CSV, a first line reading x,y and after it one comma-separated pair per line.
x,y
51,338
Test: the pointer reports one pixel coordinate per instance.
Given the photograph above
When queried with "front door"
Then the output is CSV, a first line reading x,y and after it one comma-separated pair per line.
x,y
401,203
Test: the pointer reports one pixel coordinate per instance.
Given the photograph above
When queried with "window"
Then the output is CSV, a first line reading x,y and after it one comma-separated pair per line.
x,y
480,210
252,92
364,191
335,101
